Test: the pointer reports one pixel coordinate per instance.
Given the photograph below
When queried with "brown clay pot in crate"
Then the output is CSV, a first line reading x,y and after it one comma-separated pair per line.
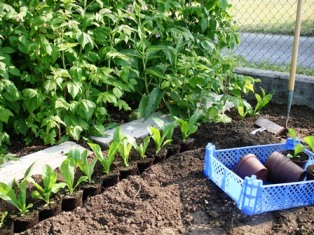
x,y
249,165
282,169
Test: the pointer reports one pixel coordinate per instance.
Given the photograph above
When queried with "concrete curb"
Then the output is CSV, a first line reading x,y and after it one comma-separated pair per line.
x,y
278,82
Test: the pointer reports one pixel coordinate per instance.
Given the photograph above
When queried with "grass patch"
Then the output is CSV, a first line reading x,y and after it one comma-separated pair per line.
x,y
272,16
279,68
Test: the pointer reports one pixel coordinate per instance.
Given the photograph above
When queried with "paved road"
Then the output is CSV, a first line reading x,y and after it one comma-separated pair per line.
x,y
275,49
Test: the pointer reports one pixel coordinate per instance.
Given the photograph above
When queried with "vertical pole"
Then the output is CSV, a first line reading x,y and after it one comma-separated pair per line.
x,y
294,58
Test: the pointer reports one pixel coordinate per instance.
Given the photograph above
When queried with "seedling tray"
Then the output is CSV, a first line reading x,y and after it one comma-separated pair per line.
x,y
252,195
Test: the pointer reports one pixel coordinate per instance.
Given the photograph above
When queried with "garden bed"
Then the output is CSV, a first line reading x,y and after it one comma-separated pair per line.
x,y
174,197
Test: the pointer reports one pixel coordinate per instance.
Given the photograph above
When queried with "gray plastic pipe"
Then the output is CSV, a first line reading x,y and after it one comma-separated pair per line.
x,y
294,59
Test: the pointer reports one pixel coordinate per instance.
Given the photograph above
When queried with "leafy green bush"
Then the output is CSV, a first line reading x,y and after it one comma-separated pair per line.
x,y
65,64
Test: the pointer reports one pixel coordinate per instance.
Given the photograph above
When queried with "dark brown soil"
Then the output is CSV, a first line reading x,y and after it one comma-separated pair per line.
x,y
173,197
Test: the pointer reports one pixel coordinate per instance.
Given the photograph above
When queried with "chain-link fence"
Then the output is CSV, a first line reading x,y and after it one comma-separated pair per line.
x,y
267,29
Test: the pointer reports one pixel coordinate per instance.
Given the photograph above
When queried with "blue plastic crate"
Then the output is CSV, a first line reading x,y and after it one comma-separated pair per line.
x,y
252,195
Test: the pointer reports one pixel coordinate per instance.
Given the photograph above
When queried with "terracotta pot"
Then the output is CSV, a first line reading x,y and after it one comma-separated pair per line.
x,y
282,169
249,165
21,223
73,200
310,172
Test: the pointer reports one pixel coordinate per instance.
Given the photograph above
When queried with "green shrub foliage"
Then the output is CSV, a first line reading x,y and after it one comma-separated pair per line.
x,y
64,64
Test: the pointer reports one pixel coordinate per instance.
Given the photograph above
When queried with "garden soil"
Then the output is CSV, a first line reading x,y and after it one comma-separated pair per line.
x,y
173,197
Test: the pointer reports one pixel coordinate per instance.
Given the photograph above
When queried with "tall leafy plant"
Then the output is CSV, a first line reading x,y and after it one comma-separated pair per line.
x,y
65,64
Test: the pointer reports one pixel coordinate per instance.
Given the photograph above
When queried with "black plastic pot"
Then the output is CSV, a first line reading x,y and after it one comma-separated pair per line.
x,y
50,210
109,180
91,189
186,145
127,171
143,164
73,200
21,223
300,161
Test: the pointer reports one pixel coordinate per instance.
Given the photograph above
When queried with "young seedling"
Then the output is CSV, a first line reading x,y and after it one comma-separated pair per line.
x,y
189,127
50,185
142,147
292,133
126,145
299,148
163,138
81,160
2,219
68,172
309,140
16,194
106,161
261,101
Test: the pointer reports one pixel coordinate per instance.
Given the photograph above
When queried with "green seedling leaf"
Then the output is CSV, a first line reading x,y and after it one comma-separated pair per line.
x,y
16,194
292,133
3,217
142,147
164,138
188,127
309,140
50,185
68,172
126,145
156,136
81,160
105,161
7,194
299,148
